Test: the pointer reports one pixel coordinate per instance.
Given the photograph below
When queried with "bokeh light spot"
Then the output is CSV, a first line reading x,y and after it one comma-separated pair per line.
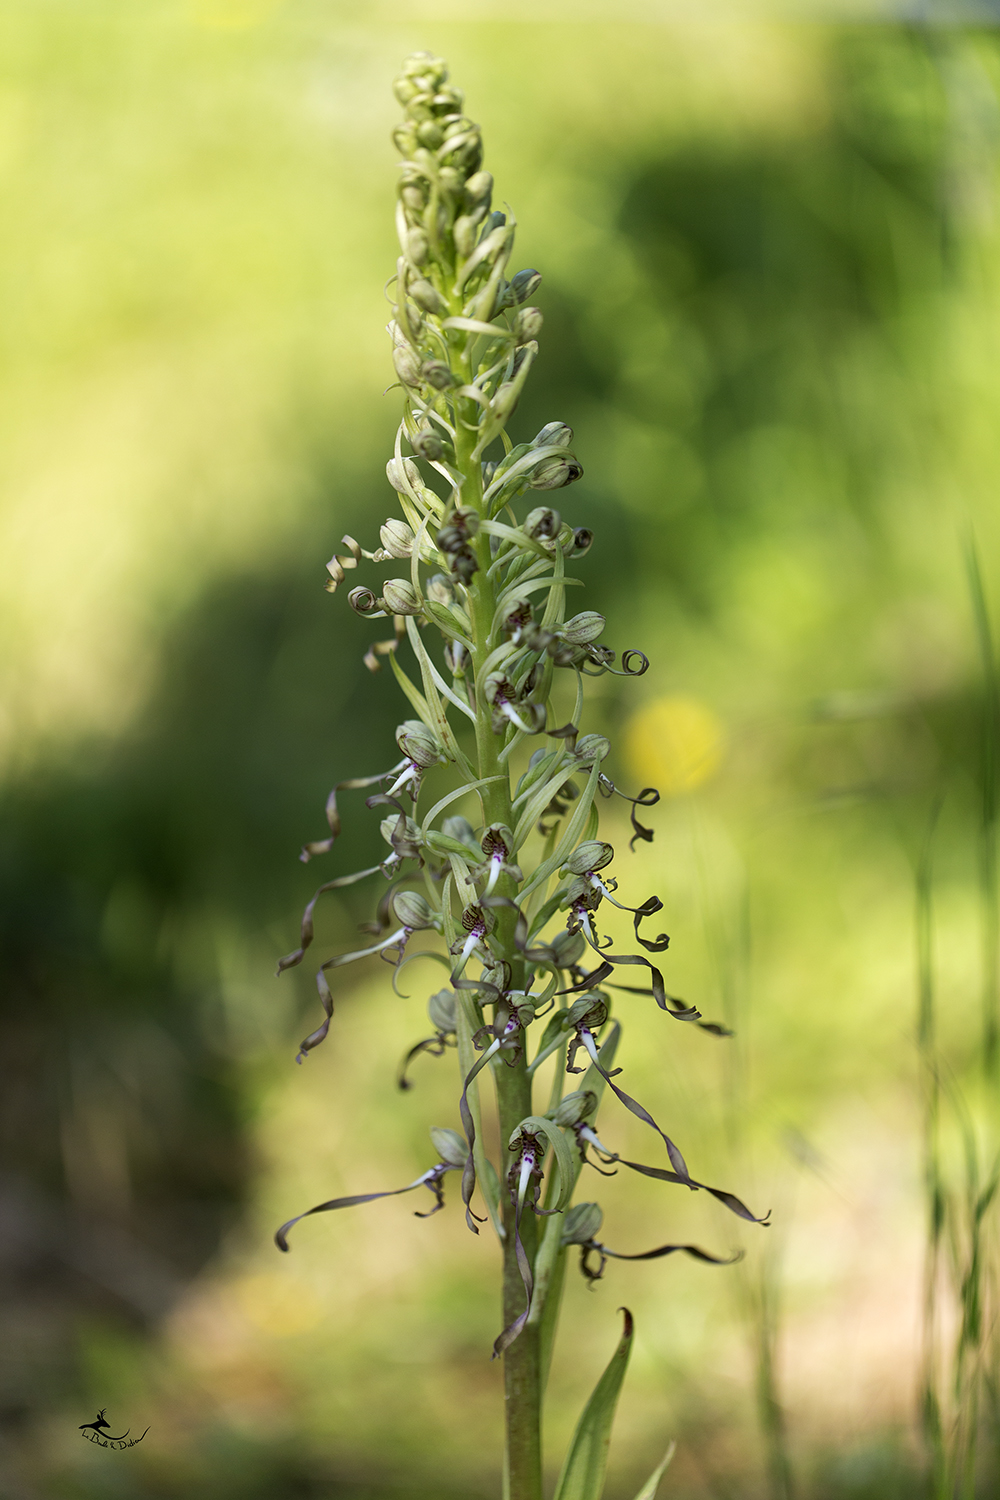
x,y
675,743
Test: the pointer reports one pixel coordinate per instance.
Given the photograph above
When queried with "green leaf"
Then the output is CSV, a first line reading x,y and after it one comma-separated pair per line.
x,y
582,1476
649,1489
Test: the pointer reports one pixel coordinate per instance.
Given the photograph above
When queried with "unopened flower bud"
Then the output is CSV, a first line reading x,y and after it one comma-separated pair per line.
x,y
403,475
402,834
442,1009
413,197
504,403
437,374
412,910
591,1010
400,597
543,521
593,747
496,220
426,444
441,589
397,537
461,525
457,827
364,602
427,296
553,434
555,472
583,539
592,854
407,364
418,744
448,101
452,1148
583,1221
568,947
527,324
450,178
523,285
583,628
479,187
416,246
430,134
575,1107
405,89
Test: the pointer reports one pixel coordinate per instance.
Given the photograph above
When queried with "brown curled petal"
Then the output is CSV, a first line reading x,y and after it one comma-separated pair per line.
x,y
641,1113
649,909
431,1179
433,1045
661,1250
377,649
606,969
678,1008
335,567
338,961
307,932
365,603
319,1035
730,1200
354,783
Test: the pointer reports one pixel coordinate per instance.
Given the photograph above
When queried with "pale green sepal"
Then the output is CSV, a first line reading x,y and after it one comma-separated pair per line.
x,y
582,1476
571,837
538,1125
649,1489
486,1175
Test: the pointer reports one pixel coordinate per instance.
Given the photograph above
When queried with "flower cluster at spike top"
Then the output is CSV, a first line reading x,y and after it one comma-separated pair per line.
x,y
516,897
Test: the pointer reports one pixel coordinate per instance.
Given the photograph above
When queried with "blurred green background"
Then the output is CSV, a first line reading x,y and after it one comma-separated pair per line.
x,y
772,312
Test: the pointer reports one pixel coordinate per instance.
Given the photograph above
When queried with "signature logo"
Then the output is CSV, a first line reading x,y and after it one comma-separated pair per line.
x,y
99,1431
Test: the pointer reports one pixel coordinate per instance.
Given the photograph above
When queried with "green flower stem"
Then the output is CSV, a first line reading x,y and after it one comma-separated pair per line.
x,y
522,1370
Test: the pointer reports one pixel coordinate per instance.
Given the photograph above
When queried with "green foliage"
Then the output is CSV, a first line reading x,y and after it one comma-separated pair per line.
x,y
649,1489
582,1474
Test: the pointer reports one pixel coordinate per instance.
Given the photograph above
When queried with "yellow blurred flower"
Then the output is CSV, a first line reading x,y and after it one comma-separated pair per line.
x,y
675,743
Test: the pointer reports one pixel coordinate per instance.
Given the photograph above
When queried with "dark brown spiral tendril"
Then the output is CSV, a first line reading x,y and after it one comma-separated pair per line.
x,y
648,797
631,671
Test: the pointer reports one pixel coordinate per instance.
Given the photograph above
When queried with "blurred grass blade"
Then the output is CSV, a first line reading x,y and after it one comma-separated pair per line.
x,y
582,1476
649,1489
